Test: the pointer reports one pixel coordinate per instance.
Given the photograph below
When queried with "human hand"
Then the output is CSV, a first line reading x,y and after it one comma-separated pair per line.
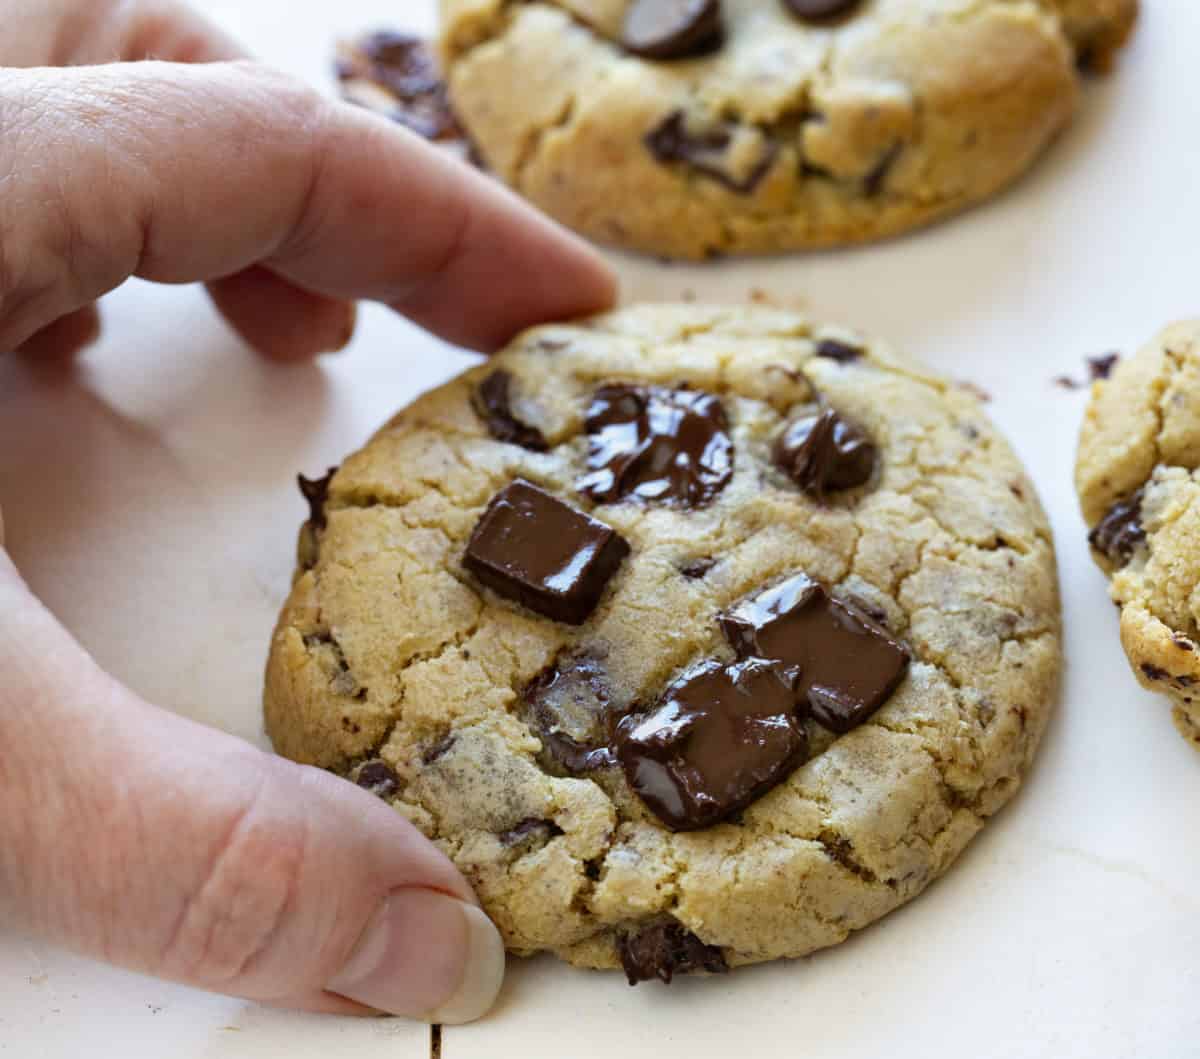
x,y
127,833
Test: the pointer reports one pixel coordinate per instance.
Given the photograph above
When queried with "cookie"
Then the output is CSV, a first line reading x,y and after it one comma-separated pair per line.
x,y
691,128
1138,479
696,637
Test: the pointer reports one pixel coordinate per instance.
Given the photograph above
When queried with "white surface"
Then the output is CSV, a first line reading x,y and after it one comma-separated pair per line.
x,y
149,500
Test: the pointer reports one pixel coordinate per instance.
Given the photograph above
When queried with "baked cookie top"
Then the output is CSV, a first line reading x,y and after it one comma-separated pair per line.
x,y
695,636
696,127
1139,488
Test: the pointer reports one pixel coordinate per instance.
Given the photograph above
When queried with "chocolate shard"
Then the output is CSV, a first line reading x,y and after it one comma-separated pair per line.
x,y
378,778
665,950
316,492
1101,367
493,403
697,569
849,664
534,549
815,10
825,452
661,446
568,706
672,29
709,149
720,737
836,349
530,829
1117,535
396,74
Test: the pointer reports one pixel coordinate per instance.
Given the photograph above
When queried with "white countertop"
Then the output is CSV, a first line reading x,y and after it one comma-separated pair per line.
x,y
149,500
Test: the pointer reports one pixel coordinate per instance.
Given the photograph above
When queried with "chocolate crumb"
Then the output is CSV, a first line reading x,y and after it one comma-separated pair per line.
x,y
1153,672
529,828
836,349
316,492
696,569
436,750
378,778
1101,367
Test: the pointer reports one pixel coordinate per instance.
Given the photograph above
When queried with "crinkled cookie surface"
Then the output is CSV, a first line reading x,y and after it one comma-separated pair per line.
x,y
783,133
393,665
1138,479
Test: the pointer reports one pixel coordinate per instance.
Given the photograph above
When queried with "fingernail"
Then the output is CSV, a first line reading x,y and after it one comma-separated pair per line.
x,y
345,333
427,956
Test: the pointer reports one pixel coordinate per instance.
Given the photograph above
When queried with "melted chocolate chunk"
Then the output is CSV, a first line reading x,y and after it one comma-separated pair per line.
x,y
672,29
849,665
835,349
532,548
531,828
665,950
815,10
378,778
568,705
708,151
396,75
720,737
316,492
1120,531
494,405
826,452
662,446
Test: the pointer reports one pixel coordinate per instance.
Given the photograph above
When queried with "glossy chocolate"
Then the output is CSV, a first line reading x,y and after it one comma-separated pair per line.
x,y
720,737
849,664
825,452
493,403
708,151
672,29
665,950
1120,531
662,446
567,705
534,549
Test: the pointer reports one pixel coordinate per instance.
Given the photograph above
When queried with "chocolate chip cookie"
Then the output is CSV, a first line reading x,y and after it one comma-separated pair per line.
x,y
1138,478
697,637
690,128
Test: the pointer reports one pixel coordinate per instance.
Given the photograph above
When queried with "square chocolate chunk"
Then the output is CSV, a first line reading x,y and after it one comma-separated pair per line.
x,y
849,664
720,737
534,549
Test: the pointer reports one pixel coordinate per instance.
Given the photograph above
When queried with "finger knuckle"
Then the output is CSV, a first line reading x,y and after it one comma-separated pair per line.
x,y
241,901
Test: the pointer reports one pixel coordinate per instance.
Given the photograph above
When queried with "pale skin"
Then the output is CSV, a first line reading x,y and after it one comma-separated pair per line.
x,y
144,839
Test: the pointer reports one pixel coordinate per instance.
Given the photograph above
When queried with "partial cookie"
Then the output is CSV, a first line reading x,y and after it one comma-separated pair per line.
x,y
698,127
1139,487
696,637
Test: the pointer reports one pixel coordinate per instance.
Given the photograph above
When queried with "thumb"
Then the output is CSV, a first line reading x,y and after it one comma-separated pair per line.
x,y
173,849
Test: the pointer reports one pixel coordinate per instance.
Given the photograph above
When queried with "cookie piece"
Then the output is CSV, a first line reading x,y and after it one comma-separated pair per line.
x,y
1138,478
781,716
690,128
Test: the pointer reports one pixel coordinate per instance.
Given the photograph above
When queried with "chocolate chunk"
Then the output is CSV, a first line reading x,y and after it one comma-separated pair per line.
x,y
662,446
568,704
709,151
672,29
532,548
1101,367
814,10
825,452
719,738
1120,531
396,75
493,403
1153,672
835,349
316,492
696,569
378,778
665,950
531,828
849,665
